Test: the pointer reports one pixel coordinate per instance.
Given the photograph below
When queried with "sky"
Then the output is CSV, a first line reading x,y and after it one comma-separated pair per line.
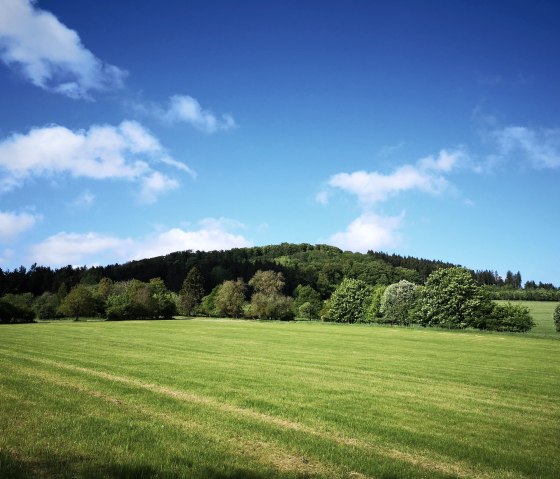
x,y
136,128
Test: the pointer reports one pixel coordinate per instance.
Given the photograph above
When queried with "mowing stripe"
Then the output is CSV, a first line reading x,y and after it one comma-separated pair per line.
x,y
265,453
425,461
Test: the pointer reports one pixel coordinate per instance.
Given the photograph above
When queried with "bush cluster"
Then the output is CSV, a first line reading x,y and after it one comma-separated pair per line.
x,y
556,317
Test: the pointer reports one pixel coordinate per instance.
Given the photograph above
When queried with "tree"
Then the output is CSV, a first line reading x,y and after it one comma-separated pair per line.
x,y
207,306
79,302
192,291
130,300
374,309
267,301
398,302
451,298
349,302
267,282
14,311
46,305
230,298
164,306
556,317
306,295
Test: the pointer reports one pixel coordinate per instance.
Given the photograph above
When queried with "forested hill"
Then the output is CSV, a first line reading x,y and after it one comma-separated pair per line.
x,y
320,266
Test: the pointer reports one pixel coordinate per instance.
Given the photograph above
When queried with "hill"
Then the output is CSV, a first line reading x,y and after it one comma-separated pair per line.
x,y
321,266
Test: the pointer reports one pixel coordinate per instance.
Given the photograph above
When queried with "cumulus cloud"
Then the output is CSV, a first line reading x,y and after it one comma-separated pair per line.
x,y
96,248
539,146
372,231
373,187
369,232
13,224
127,151
49,54
186,109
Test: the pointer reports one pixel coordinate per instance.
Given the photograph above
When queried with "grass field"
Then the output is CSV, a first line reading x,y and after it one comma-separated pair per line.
x,y
242,399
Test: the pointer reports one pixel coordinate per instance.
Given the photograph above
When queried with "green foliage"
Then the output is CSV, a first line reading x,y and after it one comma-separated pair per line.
x,y
191,292
46,306
230,298
79,302
273,306
267,282
267,301
398,302
452,299
349,302
163,303
306,295
137,300
373,313
207,306
13,310
510,317
556,317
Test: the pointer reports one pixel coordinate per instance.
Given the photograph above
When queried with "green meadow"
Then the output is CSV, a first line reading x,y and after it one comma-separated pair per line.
x,y
253,399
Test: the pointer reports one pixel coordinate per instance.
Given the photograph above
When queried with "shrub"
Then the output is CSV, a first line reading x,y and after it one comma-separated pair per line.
x,y
398,301
556,317
11,314
510,317
46,306
349,302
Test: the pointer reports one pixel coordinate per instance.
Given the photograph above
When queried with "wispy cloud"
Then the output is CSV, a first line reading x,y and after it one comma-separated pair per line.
x,y
186,109
85,200
13,224
49,54
539,147
127,151
97,248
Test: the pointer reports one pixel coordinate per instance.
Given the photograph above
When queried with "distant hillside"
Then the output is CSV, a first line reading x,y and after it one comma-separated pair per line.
x,y
320,266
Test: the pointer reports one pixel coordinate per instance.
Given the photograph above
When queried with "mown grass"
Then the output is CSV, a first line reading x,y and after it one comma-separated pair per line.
x,y
247,399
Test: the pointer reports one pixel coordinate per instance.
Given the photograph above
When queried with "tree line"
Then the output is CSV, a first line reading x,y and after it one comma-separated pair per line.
x,y
450,298
320,266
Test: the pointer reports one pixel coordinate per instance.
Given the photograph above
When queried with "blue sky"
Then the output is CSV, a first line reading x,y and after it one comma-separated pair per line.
x,y
132,129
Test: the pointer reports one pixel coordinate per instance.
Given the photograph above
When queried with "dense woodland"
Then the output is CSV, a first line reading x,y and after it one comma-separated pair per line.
x,y
320,266
274,282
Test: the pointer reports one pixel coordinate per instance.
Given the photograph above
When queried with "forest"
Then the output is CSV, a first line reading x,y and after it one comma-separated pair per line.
x,y
320,266
274,282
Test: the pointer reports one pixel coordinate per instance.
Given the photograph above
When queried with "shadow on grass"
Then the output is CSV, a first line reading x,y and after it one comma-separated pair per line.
x,y
12,467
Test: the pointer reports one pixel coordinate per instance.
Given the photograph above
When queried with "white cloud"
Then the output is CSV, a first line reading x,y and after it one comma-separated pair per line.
x,y
539,146
64,248
373,187
85,200
49,54
156,184
186,109
13,224
126,151
96,248
369,232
